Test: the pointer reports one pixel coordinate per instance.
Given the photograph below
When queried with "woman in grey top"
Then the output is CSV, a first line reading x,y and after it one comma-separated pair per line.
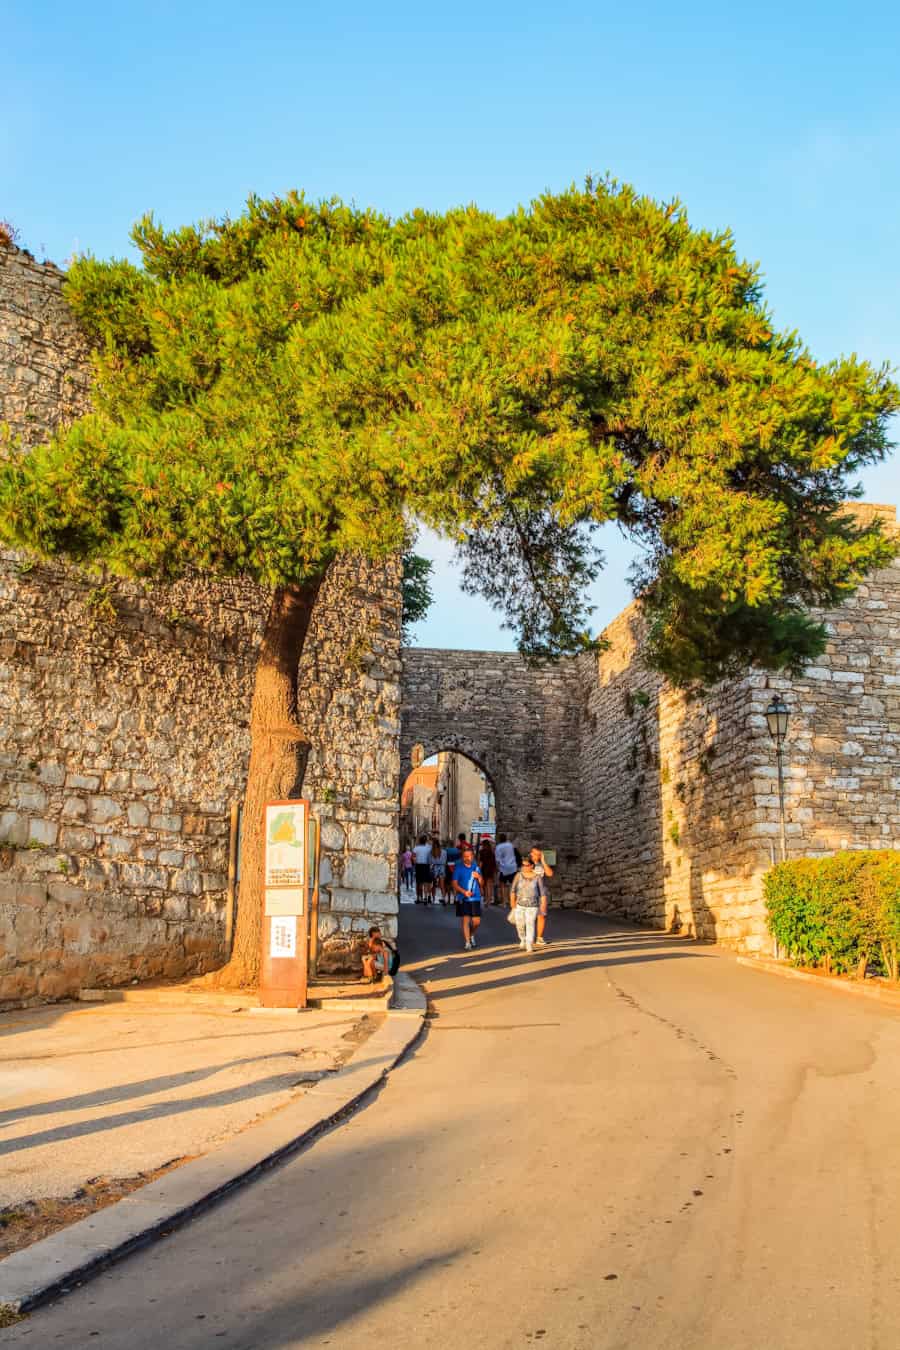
x,y
526,894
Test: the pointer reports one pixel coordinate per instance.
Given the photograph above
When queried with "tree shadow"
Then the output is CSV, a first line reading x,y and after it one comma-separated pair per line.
x,y
228,1295
147,1087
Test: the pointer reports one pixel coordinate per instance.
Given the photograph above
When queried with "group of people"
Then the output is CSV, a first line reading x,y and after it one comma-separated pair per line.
x,y
487,876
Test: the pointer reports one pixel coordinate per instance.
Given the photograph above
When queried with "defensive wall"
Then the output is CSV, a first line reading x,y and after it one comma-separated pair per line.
x,y
520,724
124,740
679,794
124,728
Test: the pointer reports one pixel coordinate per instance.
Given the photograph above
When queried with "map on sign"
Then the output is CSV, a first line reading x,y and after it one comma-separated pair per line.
x,y
286,845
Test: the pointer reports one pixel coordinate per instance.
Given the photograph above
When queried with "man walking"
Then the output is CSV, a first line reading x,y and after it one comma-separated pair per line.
x,y
467,885
422,854
527,895
542,869
505,856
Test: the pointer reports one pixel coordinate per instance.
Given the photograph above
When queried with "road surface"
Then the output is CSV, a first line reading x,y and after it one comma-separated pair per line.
x,y
625,1141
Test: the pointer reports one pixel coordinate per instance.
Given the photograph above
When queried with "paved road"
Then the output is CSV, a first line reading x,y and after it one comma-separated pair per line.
x,y
623,1142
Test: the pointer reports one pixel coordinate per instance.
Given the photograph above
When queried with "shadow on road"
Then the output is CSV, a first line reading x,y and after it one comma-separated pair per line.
x,y
431,945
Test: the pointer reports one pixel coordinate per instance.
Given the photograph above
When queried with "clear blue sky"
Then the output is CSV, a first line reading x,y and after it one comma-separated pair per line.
x,y
781,121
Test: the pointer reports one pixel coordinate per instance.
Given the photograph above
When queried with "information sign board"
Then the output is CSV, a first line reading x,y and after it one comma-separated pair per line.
x,y
483,827
285,877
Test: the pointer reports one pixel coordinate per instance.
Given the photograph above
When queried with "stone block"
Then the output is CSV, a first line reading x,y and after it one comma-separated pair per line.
x,y
119,845
57,984
372,839
347,902
74,808
42,832
104,809
54,775
13,828
64,893
382,902
171,857
366,873
167,824
82,782
141,876
30,893
332,835
29,797
186,882
76,840
138,815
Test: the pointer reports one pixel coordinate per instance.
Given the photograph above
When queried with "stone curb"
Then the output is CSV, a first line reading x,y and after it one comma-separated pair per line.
x,y
889,998
54,1265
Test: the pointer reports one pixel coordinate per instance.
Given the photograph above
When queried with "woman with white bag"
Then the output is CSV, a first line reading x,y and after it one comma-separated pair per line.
x,y
525,896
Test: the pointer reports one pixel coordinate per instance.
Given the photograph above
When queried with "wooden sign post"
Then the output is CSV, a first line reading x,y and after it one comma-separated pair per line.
x,y
284,930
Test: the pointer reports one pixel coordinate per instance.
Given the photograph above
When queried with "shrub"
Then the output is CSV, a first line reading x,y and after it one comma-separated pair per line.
x,y
841,912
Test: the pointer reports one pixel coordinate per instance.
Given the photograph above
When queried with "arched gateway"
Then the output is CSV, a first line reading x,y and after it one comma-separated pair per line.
x,y
519,724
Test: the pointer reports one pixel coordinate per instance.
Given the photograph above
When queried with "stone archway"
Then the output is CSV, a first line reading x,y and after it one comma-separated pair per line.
x,y
519,724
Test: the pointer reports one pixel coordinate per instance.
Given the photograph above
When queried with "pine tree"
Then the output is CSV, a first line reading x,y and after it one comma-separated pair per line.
x,y
307,379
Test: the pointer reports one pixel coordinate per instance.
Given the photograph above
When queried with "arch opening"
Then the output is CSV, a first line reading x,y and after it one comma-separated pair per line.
x,y
449,793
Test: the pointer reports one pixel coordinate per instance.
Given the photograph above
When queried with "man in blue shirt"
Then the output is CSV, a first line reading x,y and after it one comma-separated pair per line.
x,y
467,885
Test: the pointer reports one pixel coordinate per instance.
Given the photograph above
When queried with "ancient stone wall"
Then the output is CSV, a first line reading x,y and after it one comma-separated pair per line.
x,y
124,729
680,802
520,724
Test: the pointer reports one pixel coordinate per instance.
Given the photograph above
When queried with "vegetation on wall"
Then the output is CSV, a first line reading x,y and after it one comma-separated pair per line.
x,y
841,913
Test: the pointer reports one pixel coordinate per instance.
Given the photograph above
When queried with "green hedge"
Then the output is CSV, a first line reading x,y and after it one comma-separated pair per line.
x,y
842,912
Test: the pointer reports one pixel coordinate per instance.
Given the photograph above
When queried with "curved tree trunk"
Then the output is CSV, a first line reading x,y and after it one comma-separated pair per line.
x,y
279,750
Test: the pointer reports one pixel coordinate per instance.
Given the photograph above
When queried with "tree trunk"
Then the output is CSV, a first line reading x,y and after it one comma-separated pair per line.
x,y
279,750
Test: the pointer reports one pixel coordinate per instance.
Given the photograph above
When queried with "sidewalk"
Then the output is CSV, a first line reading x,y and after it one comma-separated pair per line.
x,y
112,1090
205,1077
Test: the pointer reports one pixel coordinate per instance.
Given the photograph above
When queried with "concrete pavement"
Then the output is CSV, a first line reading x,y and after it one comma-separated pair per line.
x,y
115,1090
625,1141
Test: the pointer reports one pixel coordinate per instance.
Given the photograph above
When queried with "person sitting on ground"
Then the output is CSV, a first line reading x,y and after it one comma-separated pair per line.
x,y
541,869
527,894
376,960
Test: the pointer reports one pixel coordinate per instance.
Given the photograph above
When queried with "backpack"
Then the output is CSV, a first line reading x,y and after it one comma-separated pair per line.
x,y
394,963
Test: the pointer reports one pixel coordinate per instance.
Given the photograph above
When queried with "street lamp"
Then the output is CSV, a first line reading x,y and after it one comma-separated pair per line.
x,y
777,720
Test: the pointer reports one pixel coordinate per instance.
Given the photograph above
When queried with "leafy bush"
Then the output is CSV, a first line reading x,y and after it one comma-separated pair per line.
x,y
841,912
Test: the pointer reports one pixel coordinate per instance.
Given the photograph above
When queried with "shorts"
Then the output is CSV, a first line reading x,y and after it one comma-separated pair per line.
x,y
507,878
468,909
423,874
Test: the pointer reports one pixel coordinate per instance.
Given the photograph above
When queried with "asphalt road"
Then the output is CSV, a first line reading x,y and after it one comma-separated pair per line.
x,y
623,1141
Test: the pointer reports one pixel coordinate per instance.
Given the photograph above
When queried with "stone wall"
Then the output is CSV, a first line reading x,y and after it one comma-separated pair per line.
x,y
124,738
520,724
124,729
680,803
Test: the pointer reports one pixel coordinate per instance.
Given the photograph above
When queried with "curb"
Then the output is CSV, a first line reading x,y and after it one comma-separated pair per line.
x,y
889,998
53,1265
180,997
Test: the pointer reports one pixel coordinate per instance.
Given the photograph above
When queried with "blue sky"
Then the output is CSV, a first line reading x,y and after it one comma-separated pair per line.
x,y
781,121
